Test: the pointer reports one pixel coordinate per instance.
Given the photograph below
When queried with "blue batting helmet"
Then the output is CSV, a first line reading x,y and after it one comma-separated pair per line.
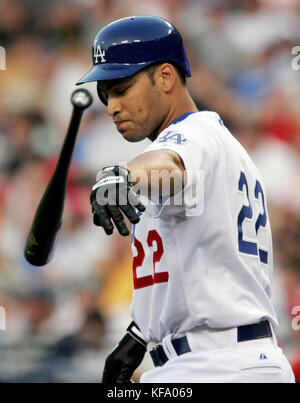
x,y
126,46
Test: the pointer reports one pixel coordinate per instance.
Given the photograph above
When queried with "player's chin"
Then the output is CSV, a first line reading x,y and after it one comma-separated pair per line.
x,y
131,135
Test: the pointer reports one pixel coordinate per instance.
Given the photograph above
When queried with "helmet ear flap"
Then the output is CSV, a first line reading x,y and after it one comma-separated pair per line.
x,y
102,95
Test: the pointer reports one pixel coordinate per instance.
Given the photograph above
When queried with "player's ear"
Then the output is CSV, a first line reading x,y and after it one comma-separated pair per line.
x,y
167,76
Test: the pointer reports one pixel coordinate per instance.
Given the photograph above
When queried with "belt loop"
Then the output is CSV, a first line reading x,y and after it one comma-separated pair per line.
x,y
168,347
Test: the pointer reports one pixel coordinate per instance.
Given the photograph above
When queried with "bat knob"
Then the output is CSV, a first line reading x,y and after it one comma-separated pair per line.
x,y
81,98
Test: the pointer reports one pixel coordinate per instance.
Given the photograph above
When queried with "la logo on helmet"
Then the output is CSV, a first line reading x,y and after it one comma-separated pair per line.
x,y
98,52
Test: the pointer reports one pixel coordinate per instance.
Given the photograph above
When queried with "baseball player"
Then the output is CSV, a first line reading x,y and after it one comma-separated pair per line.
x,y
202,246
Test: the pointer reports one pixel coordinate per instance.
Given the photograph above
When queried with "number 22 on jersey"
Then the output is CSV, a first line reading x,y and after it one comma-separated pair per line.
x,y
251,248
146,281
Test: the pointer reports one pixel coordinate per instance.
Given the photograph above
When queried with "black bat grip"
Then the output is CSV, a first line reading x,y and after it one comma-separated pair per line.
x,y
48,218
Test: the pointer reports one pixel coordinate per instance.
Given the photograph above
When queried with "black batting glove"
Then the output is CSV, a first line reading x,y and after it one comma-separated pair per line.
x,y
111,197
126,357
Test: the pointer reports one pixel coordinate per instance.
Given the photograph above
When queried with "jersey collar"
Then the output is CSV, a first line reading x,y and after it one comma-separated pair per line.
x,y
181,118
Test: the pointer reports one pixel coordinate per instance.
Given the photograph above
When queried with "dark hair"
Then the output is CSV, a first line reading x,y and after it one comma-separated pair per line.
x,y
151,70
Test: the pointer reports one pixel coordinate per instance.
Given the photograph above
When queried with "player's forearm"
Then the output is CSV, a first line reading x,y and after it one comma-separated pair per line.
x,y
157,173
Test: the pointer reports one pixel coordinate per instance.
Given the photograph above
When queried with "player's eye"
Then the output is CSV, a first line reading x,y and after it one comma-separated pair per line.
x,y
121,91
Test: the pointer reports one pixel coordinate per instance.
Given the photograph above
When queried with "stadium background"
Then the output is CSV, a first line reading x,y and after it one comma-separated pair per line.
x,y
62,319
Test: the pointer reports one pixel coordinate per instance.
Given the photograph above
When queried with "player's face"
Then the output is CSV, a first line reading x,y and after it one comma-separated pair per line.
x,y
136,106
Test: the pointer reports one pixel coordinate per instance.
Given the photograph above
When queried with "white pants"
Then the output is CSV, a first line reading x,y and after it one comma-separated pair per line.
x,y
217,357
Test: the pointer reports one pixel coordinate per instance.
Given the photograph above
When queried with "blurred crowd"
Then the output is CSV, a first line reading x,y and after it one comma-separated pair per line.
x,y
62,319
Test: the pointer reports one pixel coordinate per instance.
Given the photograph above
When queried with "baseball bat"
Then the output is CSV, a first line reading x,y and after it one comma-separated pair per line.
x,y
47,221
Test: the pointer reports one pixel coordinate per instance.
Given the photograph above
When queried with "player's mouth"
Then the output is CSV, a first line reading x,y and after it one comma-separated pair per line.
x,y
120,123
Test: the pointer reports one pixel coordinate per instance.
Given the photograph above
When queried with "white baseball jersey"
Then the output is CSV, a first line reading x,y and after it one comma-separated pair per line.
x,y
206,260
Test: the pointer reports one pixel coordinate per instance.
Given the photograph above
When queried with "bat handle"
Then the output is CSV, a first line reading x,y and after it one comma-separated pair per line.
x,y
66,153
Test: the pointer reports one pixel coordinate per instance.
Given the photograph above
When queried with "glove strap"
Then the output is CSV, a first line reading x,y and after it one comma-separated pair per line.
x,y
108,181
134,331
116,170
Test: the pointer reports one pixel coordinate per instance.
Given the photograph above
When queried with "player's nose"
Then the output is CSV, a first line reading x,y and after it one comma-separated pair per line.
x,y
113,106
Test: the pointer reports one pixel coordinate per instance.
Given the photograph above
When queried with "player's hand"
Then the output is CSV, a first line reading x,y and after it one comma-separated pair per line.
x,y
111,197
126,357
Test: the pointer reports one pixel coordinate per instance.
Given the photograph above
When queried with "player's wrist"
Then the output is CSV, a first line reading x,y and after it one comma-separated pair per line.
x,y
135,332
115,170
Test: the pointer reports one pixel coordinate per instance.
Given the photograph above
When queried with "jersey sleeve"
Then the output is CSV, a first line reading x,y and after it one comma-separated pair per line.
x,y
193,141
